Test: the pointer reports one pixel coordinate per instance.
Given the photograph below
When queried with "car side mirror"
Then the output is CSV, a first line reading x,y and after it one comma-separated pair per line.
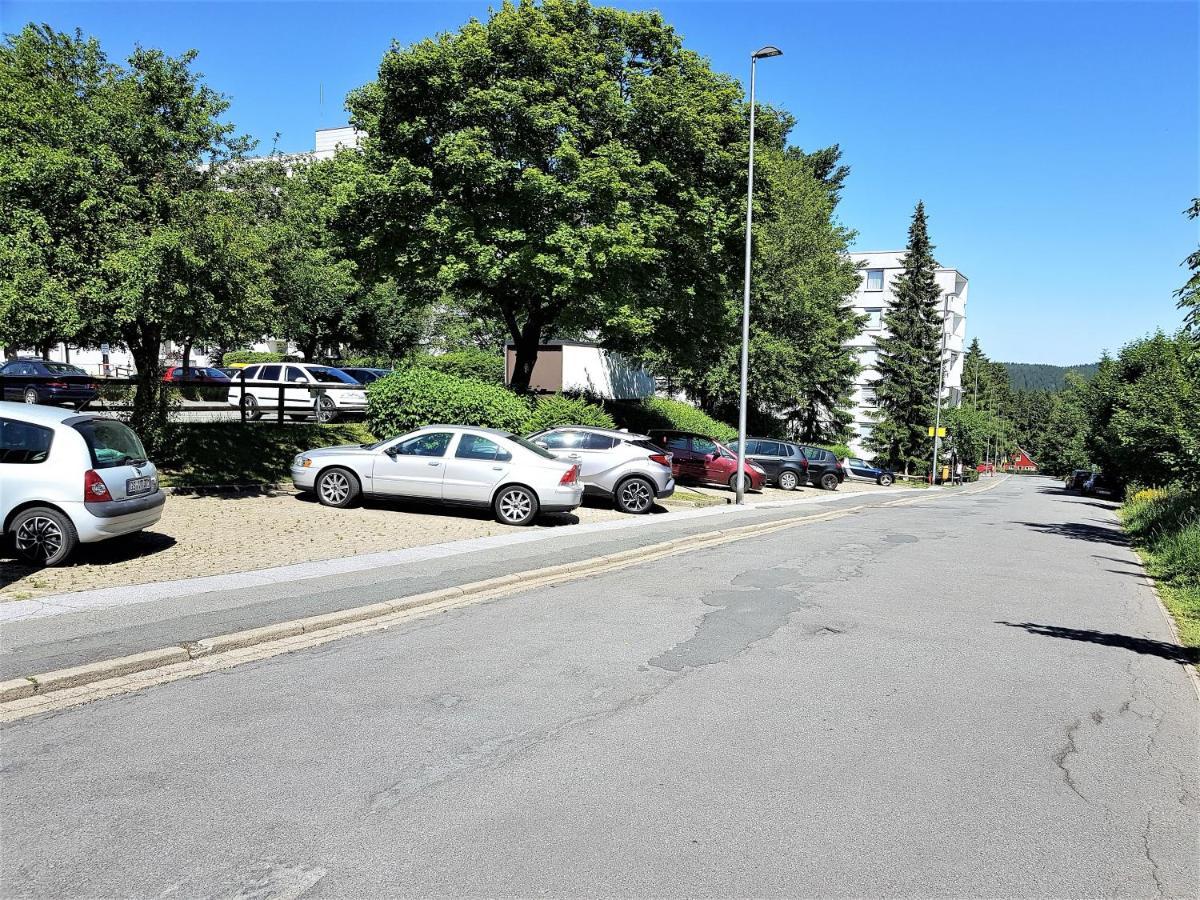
x,y
391,451
299,381
542,444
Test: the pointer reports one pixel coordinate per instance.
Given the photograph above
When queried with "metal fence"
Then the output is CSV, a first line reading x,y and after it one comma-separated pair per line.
x,y
240,399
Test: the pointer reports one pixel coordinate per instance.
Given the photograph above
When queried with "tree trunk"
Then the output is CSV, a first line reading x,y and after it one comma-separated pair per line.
x,y
187,357
44,349
150,411
309,349
526,344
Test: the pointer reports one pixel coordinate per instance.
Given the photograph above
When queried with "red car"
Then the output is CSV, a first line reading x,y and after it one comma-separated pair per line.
x,y
700,459
195,375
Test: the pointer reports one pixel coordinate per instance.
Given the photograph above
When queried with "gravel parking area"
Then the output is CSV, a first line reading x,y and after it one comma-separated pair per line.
x,y
211,535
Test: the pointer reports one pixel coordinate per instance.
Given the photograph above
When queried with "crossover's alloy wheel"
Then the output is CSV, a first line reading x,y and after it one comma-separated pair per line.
x,y
515,506
635,496
788,481
325,409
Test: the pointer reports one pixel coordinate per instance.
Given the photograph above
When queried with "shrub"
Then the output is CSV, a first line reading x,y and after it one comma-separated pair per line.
x,y
841,451
659,412
414,397
477,364
210,453
249,357
1165,525
555,409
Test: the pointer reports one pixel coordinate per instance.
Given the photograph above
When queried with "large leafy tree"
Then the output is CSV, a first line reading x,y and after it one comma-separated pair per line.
x,y
560,168
801,371
321,298
110,175
909,355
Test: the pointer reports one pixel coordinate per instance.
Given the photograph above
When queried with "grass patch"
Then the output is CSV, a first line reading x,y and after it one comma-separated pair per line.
x,y
210,453
1164,524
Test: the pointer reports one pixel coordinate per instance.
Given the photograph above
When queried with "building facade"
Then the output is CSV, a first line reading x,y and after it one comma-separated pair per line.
x,y
879,270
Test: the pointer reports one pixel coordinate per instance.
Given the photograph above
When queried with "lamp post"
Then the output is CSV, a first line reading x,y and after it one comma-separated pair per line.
x,y
765,53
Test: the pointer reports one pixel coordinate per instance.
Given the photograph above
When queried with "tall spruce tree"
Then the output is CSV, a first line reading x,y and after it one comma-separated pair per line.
x,y
909,356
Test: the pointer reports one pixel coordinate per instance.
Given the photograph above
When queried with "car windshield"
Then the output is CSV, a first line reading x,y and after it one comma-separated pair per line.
x,y
111,443
331,376
63,369
532,448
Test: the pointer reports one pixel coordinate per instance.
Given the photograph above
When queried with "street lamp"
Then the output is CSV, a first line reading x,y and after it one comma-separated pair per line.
x,y
937,422
765,53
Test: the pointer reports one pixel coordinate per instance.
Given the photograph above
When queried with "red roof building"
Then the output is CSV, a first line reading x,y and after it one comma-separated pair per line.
x,y
1021,462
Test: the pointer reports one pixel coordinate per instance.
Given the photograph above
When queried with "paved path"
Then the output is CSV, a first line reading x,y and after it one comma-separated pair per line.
x,y
967,696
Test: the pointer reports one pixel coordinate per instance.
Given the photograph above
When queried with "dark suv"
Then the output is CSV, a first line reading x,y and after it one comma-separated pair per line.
x,y
784,463
824,468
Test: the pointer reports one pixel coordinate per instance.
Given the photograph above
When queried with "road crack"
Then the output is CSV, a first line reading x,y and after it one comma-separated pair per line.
x,y
1150,857
1068,750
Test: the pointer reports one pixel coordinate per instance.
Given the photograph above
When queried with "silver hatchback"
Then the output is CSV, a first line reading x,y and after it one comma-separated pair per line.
x,y
630,469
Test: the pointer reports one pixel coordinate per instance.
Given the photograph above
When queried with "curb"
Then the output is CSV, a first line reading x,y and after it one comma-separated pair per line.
x,y
45,684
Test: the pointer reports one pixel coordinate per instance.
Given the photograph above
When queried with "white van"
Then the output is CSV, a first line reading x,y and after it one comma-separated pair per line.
x,y
68,478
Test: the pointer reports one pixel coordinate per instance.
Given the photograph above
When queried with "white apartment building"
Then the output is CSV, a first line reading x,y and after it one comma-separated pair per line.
x,y
879,269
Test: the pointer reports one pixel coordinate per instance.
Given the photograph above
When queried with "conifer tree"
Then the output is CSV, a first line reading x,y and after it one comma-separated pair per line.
x,y
909,356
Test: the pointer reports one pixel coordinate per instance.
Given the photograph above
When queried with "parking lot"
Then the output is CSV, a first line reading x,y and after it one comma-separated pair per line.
x,y
212,535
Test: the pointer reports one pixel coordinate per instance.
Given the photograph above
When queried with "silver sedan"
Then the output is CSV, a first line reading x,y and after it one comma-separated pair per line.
x,y
450,464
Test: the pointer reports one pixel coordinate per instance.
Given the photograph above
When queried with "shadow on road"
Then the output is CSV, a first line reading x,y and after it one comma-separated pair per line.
x,y
1147,646
1104,534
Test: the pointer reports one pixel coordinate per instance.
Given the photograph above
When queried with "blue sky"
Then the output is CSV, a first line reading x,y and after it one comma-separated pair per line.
x,y
1055,144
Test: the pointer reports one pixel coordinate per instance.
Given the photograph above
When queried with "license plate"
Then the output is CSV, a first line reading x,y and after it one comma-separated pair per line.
x,y
139,486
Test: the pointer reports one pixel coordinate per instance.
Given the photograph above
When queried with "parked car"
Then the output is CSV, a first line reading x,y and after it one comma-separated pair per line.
x,y
44,381
365,376
305,399
783,462
450,464
1099,484
701,460
71,478
629,469
858,469
824,468
195,375
1077,479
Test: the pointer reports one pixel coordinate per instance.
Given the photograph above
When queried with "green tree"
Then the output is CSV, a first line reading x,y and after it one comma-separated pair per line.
x,y
801,371
120,163
1062,444
1189,294
909,356
560,168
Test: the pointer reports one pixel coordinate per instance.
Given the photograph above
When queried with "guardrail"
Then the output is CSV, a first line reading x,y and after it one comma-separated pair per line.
x,y
285,402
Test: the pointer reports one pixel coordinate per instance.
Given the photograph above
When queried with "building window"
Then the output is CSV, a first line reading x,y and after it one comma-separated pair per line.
x,y
874,279
868,399
874,319
868,358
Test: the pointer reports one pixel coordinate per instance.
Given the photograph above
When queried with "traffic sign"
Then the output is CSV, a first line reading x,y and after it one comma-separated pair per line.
x,y
941,432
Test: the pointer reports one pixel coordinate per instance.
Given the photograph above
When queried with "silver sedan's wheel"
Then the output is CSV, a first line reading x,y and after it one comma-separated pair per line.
x,y
788,481
635,495
515,505
44,537
337,487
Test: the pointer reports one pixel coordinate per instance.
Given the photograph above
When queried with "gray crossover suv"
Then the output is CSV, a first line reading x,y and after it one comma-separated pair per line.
x,y
628,468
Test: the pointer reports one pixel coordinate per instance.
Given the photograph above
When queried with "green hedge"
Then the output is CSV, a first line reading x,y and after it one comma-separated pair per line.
x,y
209,453
249,357
477,364
420,396
841,451
555,409
659,412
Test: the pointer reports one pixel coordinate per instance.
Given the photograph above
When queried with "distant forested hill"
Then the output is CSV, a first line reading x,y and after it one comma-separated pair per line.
x,y
1040,377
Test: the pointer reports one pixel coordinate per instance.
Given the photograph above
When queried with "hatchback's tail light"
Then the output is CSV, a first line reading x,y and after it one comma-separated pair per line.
x,y
94,488
663,459
570,476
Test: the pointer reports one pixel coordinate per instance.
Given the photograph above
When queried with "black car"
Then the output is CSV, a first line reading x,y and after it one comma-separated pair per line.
x,y
1099,485
365,375
44,381
784,462
1077,479
824,468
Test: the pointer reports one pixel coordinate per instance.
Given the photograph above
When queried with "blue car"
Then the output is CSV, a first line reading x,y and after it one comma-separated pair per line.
x,y
861,470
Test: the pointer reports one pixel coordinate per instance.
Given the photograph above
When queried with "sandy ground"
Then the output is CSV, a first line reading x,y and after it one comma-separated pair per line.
x,y
215,535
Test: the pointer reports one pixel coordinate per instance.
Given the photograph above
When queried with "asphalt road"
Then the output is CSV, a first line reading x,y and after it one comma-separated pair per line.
x,y
967,696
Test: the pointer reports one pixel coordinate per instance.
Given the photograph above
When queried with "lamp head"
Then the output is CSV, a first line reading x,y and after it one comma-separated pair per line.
x,y
766,52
